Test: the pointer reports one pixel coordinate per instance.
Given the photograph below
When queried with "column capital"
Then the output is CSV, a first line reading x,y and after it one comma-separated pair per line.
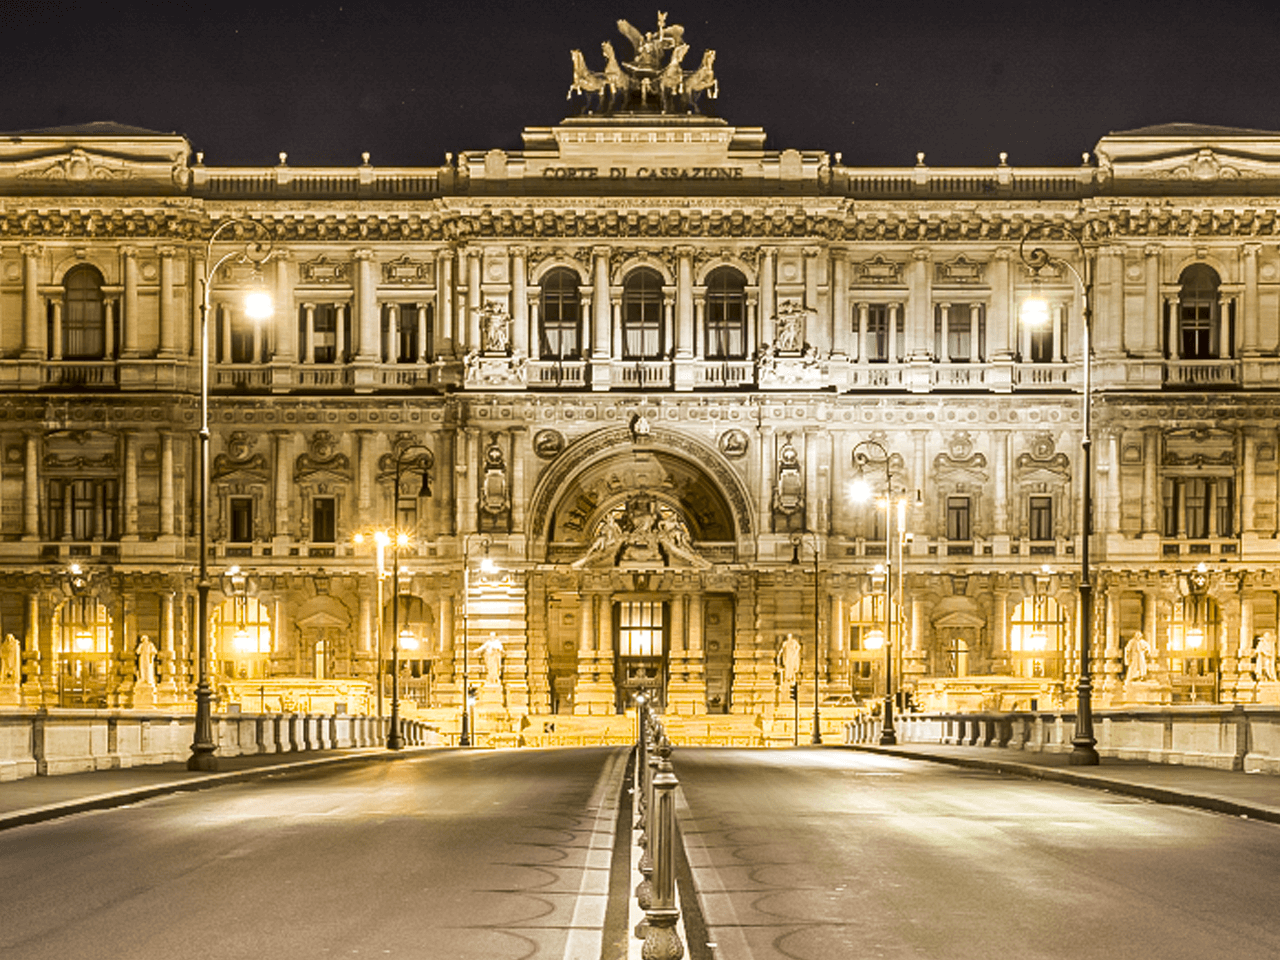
x,y
518,250
167,251
363,253
1151,250
31,249
921,254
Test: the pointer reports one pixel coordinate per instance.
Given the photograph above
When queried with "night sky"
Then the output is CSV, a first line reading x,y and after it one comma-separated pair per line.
x,y
409,81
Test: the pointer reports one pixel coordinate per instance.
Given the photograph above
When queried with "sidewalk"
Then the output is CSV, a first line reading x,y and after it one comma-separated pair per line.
x,y
35,799
1255,795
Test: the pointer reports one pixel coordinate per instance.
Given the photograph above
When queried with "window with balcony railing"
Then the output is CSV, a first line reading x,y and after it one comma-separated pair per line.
x,y
84,326
726,315
642,316
560,316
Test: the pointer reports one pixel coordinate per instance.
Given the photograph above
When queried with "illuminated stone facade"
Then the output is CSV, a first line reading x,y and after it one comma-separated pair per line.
x,y
634,360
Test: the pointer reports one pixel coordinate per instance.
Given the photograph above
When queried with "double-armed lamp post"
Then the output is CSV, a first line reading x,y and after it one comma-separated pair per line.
x,y
1035,312
252,247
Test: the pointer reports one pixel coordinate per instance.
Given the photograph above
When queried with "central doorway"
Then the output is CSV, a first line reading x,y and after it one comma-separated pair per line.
x,y
641,643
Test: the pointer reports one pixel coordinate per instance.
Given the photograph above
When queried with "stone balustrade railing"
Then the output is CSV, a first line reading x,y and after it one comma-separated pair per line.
x,y
47,743
1223,737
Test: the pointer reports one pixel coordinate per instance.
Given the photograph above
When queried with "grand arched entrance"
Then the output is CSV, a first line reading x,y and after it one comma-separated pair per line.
x,y
640,535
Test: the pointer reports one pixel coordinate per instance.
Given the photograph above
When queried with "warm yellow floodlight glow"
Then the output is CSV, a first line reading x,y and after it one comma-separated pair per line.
x,y
860,490
257,305
1035,311
408,641
875,639
488,566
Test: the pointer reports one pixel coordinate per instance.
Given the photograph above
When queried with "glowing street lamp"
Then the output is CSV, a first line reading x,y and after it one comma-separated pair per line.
x,y
1035,310
256,249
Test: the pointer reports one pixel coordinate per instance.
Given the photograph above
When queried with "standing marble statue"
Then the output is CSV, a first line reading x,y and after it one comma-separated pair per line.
x,y
1136,653
789,659
1264,657
10,660
146,661
491,653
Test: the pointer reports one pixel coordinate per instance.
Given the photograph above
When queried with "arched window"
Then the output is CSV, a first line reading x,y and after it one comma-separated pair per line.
x,y
1198,316
726,316
642,316
559,336
84,325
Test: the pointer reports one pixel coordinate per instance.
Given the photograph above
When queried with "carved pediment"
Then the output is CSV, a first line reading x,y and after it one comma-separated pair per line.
x,y
1055,467
324,270
1196,447
877,270
409,271
250,470
959,270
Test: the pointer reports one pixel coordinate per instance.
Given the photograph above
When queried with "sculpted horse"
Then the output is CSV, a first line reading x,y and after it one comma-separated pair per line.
x,y
671,80
585,82
699,80
615,78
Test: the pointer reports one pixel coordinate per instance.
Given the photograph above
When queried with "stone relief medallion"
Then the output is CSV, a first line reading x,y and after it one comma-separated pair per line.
x,y
548,444
733,444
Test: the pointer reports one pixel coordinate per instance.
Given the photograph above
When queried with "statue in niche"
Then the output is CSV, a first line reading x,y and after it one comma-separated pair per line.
x,y
495,328
790,327
1137,654
1264,658
493,483
789,659
788,490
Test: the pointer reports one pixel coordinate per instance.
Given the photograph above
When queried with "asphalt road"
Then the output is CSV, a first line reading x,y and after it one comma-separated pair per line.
x,y
457,855
809,854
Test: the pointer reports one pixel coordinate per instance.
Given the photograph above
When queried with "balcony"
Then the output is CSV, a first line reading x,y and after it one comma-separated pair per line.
x,y
1199,374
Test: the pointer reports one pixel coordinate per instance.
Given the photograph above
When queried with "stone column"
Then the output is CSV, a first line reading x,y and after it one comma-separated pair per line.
x,y
684,303
284,317
1000,527
168,507
1249,483
424,338
284,483
340,349
1251,345
444,303
130,518
818,336
768,296
841,322
1151,500
1002,313
1149,328
1112,516
919,307
55,346
168,646
34,327
863,347
765,489
976,354
130,317
944,337
475,301
366,316
519,301
31,491
390,331
168,315
518,460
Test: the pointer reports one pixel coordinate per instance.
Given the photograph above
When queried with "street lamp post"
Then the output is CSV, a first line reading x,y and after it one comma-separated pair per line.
x,y
796,540
862,458
255,249
400,539
1036,311
486,566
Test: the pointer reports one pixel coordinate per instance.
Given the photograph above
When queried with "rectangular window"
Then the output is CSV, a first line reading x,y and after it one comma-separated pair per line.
x,y
1196,329
958,518
640,628
1224,507
324,520
1196,497
241,520
82,509
241,339
878,332
1042,344
326,333
1040,517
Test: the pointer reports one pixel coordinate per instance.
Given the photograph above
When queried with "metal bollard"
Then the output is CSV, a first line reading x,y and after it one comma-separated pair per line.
x,y
645,866
661,939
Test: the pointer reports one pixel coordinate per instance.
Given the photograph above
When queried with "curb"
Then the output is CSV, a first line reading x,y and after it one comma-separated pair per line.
x,y
1143,791
120,798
